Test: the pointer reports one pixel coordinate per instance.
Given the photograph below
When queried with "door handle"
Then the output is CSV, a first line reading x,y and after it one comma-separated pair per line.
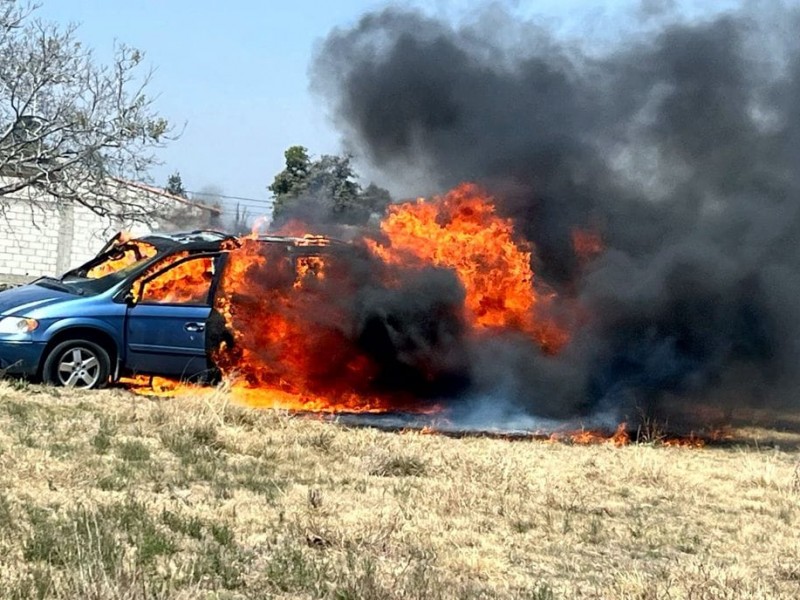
x,y
195,327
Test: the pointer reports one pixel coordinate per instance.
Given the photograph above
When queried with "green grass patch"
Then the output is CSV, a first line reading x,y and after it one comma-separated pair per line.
x,y
133,451
399,466
102,440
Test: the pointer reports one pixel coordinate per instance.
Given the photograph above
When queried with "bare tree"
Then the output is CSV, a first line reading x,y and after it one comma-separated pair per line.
x,y
71,128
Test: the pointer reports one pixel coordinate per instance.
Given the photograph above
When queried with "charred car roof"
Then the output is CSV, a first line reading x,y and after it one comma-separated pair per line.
x,y
193,240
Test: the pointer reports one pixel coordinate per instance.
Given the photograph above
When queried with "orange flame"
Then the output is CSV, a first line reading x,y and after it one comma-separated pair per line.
x,y
281,356
585,437
462,231
127,254
186,283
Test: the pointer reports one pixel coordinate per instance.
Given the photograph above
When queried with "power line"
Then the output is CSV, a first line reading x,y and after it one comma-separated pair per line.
x,y
216,195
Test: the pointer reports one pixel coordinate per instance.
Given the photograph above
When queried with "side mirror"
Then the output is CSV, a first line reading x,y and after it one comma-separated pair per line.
x,y
130,299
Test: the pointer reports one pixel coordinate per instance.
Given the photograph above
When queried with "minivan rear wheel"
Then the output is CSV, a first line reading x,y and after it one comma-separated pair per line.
x,y
77,364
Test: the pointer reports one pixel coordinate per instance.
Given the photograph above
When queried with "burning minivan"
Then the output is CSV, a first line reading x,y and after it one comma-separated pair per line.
x,y
409,314
141,306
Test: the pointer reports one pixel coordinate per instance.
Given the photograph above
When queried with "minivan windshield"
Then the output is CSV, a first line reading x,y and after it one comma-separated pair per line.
x,y
90,287
104,271
117,258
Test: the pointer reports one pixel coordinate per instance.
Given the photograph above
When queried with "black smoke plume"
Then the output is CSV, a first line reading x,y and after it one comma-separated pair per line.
x,y
679,142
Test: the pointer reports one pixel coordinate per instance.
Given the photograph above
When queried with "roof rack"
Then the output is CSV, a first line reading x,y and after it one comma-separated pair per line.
x,y
198,235
212,232
306,240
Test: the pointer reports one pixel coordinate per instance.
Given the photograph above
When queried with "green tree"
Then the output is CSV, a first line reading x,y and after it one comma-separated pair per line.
x,y
175,185
291,181
326,188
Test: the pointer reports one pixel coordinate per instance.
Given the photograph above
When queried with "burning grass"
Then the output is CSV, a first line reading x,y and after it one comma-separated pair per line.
x,y
110,495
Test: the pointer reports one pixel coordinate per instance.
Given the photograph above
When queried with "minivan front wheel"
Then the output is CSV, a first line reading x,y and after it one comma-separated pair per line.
x,y
77,364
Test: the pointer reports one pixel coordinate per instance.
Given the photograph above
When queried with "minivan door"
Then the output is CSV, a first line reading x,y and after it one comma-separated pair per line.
x,y
166,323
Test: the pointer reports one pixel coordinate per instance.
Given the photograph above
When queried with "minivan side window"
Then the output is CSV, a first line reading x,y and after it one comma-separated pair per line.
x,y
188,282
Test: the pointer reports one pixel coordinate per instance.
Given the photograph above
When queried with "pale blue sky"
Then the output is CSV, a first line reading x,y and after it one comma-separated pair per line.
x,y
236,72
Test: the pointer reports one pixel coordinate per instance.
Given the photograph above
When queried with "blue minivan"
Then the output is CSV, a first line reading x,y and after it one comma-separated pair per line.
x,y
140,307
100,321
147,307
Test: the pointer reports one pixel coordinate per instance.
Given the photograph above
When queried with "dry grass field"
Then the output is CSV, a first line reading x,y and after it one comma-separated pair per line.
x,y
108,495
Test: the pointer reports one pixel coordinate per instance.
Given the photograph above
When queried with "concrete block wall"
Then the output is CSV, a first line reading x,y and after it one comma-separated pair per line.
x,y
28,239
36,240
42,238
90,232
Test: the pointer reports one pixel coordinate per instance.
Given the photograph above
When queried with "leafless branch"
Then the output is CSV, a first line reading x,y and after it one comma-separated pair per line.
x,y
67,123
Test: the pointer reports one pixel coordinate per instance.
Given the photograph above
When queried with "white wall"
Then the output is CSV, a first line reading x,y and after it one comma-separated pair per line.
x,y
43,239
90,233
28,240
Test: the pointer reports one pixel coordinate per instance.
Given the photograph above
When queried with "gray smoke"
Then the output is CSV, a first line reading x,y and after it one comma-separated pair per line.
x,y
680,144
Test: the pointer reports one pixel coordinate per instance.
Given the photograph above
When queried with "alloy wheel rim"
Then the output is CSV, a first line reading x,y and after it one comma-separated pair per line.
x,y
78,368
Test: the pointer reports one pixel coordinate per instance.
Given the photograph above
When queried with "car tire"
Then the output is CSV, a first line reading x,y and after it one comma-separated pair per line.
x,y
79,364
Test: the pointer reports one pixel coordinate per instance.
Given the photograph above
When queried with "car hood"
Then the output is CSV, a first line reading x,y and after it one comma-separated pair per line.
x,y
21,300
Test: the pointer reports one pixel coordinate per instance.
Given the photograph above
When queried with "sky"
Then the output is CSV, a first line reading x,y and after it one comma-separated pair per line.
x,y
233,76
